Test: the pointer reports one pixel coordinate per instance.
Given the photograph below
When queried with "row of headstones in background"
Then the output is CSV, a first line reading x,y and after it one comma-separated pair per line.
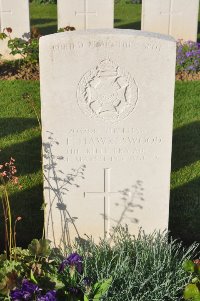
x,y
107,111
15,15
86,14
178,18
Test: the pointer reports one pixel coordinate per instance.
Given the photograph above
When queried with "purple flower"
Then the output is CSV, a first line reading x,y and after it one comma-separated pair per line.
x,y
87,281
73,259
16,295
27,291
50,296
74,291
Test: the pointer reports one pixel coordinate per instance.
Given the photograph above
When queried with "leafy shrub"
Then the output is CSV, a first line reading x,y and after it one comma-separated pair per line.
x,y
43,274
124,268
144,268
188,56
29,50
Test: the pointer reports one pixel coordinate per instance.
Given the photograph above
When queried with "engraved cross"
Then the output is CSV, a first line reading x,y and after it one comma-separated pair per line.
x,y
106,194
86,14
171,13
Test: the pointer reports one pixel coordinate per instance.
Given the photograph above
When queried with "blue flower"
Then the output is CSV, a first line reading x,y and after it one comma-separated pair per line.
x,y
27,291
50,296
16,295
74,291
73,259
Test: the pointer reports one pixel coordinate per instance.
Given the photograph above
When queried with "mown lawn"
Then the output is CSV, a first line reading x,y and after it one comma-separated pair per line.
x,y
20,138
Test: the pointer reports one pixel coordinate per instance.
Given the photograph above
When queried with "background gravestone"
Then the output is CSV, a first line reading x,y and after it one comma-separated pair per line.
x,y
107,109
178,18
14,14
86,14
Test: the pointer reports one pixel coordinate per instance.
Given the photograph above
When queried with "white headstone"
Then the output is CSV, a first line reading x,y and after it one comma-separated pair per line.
x,y
107,109
85,14
14,14
178,18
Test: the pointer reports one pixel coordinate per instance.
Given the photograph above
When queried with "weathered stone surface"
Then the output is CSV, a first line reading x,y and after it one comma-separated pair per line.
x,y
86,14
178,18
107,109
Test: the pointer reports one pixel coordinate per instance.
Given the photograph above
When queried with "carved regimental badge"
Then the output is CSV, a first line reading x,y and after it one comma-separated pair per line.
x,y
107,92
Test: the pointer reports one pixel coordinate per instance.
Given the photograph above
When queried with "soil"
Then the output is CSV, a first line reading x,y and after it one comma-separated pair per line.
x,y
16,70
186,76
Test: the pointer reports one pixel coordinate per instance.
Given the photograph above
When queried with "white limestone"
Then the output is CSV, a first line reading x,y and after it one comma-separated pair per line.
x,y
14,14
107,103
178,18
85,14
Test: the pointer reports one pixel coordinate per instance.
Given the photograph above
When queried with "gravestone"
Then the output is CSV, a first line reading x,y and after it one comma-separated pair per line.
x,y
178,18
107,109
14,14
85,14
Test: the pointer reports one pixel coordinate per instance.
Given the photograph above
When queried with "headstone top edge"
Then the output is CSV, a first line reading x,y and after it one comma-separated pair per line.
x,y
108,32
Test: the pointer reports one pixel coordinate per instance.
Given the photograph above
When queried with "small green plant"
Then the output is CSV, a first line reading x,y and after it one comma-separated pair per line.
x,y
27,49
192,290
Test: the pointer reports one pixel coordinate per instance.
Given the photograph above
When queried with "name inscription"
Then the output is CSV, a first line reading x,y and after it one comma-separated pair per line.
x,y
117,144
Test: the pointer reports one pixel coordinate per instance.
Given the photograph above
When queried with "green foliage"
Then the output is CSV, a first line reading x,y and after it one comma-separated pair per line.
x,y
144,268
10,272
40,248
29,50
39,265
100,288
188,266
3,35
192,290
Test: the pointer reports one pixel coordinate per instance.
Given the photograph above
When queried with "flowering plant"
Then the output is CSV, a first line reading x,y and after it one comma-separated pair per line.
x,y
188,56
43,274
7,177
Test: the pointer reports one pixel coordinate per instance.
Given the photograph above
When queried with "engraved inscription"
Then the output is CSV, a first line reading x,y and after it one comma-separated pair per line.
x,y
107,92
111,144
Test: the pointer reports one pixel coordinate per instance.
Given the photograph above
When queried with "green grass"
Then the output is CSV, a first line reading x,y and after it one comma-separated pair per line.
x,y
127,15
44,17
185,179
20,138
